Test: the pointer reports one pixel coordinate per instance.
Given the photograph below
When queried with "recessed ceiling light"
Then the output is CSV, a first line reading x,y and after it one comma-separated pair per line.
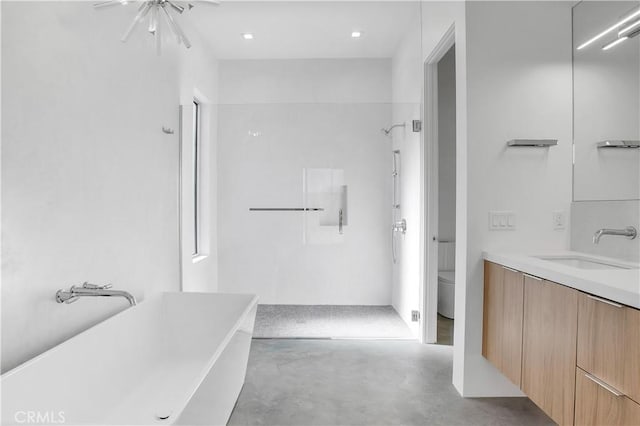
x,y
356,34
247,36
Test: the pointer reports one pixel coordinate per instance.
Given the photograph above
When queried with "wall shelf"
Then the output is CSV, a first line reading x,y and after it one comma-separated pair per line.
x,y
541,143
618,144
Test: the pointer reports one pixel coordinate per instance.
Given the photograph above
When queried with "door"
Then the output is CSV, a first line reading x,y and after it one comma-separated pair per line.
x,y
430,233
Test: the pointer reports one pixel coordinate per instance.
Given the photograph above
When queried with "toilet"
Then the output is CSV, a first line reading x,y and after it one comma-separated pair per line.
x,y
446,292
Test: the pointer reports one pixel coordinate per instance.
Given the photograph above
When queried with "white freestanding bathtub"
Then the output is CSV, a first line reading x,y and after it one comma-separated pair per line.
x,y
177,358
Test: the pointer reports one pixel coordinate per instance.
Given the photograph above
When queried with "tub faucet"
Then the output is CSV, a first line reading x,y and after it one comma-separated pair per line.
x,y
74,293
629,232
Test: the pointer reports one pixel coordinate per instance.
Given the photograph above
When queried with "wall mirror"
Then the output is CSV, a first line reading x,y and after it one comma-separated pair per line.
x,y
606,100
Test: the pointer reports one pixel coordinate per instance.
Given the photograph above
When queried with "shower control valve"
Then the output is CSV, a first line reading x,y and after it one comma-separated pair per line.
x,y
400,226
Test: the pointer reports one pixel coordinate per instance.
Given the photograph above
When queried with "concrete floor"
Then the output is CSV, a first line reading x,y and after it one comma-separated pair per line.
x,y
360,382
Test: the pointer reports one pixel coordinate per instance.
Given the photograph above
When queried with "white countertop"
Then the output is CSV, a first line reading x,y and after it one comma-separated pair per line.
x,y
618,285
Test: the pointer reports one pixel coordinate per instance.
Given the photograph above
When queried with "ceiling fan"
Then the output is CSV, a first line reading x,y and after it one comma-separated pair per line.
x,y
157,14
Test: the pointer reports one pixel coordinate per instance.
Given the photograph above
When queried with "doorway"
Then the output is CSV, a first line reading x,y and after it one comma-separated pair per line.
x,y
440,195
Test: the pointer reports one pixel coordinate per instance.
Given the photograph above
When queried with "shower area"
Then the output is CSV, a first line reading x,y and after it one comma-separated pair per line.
x,y
310,216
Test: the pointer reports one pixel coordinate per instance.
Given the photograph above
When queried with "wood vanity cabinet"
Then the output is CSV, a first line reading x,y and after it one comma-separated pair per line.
x,y
598,405
549,347
632,352
608,373
502,338
575,355
601,340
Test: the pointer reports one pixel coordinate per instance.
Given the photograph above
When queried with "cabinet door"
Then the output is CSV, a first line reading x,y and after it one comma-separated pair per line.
x,y
502,328
492,313
549,347
598,404
631,413
632,352
601,339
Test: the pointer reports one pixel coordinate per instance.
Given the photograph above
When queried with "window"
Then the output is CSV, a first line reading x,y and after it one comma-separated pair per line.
x,y
195,188
196,177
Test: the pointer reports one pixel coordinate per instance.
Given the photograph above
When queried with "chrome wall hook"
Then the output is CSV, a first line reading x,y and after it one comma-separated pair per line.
x,y
167,130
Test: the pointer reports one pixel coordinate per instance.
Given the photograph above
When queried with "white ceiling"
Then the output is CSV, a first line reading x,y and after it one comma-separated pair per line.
x,y
310,29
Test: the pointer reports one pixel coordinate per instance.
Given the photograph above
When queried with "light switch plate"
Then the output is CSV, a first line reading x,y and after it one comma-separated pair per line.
x,y
415,316
559,221
502,220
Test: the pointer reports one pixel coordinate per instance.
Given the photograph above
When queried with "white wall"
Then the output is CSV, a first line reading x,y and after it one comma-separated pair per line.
x,y
89,180
406,84
518,86
277,117
506,87
447,147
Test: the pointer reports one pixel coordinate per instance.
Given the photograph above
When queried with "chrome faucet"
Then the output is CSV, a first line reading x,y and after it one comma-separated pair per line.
x,y
629,232
74,293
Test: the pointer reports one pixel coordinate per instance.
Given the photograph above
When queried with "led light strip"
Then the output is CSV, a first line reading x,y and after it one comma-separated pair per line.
x,y
627,30
614,43
608,30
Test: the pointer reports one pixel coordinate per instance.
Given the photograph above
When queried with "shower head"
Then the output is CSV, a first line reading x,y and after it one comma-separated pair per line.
x,y
387,132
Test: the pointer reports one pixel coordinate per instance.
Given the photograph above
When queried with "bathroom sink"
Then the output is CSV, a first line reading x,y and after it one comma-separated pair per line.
x,y
583,262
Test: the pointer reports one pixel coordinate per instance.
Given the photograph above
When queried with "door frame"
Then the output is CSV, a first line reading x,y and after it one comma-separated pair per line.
x,y
429,166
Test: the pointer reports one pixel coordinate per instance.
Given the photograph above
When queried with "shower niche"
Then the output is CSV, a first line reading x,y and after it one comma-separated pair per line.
x,y
324,201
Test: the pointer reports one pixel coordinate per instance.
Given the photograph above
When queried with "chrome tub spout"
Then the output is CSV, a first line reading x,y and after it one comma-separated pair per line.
x,y
92,290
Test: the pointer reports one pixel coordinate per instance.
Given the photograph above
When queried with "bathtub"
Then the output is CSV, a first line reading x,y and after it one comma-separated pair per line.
x,y
176,358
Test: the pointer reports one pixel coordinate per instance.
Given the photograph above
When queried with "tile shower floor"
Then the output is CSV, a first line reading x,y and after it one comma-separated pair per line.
x,y
364,382
329,322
